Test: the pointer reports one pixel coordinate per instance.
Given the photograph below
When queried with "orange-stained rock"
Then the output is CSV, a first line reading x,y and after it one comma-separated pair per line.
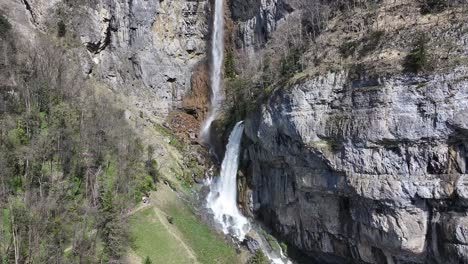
x,y
198,100
183,125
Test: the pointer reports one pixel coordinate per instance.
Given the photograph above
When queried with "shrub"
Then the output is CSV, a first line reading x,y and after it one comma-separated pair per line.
x,y
432,6
229,65
417,60
371,42
291,63
18,136
284,248
348,48
259,258
147,261
5,26
170,219
61,29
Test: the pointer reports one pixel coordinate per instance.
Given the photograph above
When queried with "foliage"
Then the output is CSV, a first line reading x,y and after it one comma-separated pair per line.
x,y
173,139
147,260
229,65
371,42
348,48
18,136
259,258
291,64
432,6
70,165
284,248
273,243
241,99
417,60
61,29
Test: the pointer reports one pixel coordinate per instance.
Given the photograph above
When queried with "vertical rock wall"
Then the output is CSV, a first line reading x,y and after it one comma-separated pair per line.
x,y
146,49
371,172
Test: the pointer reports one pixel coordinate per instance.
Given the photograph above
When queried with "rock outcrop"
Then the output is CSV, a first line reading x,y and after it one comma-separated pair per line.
x,y
145,49
371,172
256,20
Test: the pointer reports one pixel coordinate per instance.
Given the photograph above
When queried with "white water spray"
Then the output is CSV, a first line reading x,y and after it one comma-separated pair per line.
x,y
217,57
223,193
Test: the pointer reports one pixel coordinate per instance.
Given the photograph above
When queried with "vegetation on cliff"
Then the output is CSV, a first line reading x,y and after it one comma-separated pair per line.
x,y
367,39
70,164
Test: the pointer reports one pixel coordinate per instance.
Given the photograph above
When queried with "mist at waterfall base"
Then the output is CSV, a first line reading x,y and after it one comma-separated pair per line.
x,y
217,57
222,199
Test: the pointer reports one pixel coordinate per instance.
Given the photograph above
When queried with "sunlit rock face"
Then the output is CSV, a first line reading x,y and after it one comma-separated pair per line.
x,y
147,48
369,171
144,48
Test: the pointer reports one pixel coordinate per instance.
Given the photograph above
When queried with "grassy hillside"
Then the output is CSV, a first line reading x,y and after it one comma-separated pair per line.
x,y
152,239
157,237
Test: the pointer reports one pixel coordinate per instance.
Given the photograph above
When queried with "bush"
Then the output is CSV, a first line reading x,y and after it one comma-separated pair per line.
x,y
170,219
147,261
259,258
61,29
229,65
348,48
5,26
432,6
417,60
291,63
371,42
284,248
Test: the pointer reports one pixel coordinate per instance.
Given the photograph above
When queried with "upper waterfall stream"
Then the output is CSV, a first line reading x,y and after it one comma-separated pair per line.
x,y
217,57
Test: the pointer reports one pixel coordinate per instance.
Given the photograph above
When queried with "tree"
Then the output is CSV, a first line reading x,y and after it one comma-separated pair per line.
x,y
61,29
417,60
147,260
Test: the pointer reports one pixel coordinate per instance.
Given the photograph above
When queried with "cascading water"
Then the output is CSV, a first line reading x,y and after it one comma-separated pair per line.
x,y
223,193
222,199
217,57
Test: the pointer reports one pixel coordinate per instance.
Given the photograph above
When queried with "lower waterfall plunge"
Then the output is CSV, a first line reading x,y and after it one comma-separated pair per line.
x,y
222,199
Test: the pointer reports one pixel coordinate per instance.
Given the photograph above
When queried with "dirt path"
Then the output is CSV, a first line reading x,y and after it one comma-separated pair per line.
x,y
139,208
163,219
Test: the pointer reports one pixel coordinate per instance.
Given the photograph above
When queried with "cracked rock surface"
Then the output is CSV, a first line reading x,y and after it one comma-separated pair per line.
x,y
371,172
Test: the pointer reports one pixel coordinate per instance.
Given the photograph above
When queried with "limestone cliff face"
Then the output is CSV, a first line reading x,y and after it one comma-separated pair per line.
x,y
143,48
147,47
365,171
256,20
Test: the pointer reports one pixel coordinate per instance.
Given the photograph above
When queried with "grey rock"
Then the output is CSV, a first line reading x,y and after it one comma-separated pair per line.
x,y
133,46
257,20
251,244
380,179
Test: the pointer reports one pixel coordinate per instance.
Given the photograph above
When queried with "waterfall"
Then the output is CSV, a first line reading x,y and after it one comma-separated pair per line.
x,y
217,57
222,198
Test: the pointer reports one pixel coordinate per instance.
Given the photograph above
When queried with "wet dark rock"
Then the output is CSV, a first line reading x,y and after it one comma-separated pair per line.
x,y
251,244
